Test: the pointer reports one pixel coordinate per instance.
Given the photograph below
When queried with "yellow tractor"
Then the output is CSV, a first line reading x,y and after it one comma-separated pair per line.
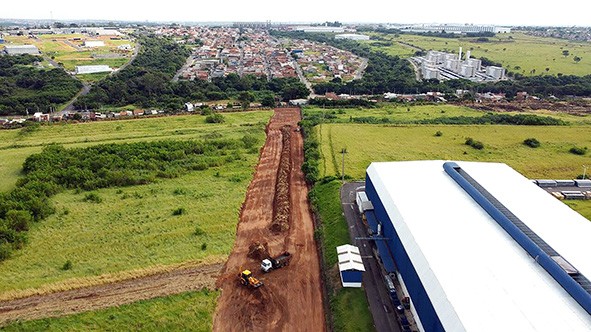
x,y
247,279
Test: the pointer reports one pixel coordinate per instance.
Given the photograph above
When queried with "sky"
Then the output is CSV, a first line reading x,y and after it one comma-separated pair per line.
x,y
498,12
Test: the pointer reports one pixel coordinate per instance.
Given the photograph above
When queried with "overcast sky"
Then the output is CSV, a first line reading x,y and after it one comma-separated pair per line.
x,y
499,12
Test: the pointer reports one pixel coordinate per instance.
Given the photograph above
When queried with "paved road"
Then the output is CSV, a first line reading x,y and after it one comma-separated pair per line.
x,y
384,315
361,69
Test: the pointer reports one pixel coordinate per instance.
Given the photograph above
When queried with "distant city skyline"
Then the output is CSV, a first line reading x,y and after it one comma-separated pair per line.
x,y
500,12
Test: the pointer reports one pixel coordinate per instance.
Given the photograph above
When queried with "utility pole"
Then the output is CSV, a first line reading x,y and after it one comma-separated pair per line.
x,y
343,151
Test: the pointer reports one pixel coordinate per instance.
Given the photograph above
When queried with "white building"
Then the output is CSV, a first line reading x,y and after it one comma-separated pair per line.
x,y
321,29
92,69
467,70
21,49
94,43
495,72
479,247
351,36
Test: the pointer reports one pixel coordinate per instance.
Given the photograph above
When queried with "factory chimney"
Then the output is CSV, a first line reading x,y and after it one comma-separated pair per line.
x,y
468,55
460,56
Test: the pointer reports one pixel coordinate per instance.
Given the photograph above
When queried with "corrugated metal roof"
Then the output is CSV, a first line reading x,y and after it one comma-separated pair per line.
x,y
477,277
349,258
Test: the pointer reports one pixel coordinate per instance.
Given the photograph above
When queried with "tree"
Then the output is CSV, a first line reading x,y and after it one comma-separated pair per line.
x,y
565,53
268,101
577,59
245,99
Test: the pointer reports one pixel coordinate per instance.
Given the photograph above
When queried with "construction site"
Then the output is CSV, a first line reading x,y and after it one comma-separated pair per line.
x,y
271,280
275,219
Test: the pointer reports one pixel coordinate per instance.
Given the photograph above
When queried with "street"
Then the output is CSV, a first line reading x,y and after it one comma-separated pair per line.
x,y
384,315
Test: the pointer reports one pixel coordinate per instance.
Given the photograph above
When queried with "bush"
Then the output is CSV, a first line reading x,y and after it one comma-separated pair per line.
x,y
203,246
67,265
93,197
532,142
179,211
249,141
438,133
475,144
198,231
215,118
578,151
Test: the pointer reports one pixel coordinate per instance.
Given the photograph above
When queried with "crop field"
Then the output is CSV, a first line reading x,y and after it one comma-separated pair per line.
x,y
68,50
130,228
184,312
520,53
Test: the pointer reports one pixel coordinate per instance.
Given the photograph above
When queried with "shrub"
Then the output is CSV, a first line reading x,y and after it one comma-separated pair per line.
x,y
532,142
475,144
5,251
249,141
93,197
179,211
214,118
198,231
203,246
578,151
438,133
67,265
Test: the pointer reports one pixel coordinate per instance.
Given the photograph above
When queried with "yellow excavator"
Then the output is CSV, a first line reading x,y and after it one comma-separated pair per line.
x,y
247,279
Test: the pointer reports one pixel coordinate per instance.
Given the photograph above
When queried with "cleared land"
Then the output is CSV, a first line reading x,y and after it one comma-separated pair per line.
x,y
291,298
518,52
69,50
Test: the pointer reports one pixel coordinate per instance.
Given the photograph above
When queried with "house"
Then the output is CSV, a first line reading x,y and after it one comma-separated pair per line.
x,y
138,112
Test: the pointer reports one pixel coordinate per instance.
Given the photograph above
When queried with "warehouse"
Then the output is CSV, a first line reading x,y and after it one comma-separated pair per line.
x,y
92,69
478,247
94,43
351,36
21,49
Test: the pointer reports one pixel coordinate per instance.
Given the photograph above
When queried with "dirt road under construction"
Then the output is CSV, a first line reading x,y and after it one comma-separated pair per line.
x,y
276,215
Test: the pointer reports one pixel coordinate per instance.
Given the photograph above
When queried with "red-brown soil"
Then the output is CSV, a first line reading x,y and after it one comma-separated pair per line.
x,y
291,298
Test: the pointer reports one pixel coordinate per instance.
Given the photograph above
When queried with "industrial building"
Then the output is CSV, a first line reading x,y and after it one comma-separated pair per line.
x,y
320,29
94,43
92,69
446,66
478,247
455,28
21,49
352,36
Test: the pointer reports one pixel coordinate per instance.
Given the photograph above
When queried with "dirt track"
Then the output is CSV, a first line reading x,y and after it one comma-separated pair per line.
x,y
108,295
291,299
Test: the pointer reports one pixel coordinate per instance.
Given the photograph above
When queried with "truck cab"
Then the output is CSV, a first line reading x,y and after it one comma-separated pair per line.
x,y
266,265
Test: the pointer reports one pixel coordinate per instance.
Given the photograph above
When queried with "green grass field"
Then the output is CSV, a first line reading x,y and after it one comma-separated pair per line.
x,y
16,146
132,228
184,312
411,114
367,143
349,306
517,52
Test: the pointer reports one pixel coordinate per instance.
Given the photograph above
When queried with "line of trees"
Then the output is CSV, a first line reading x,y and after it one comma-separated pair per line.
x,y
115,165
24,86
